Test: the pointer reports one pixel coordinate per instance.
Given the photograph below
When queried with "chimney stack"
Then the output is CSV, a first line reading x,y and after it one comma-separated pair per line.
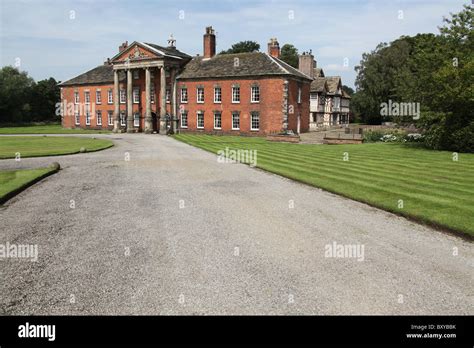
x,y
123,46
306,64
274,48
209,43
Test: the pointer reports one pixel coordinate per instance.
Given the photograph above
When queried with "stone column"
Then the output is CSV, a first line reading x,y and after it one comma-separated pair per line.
x,y
116,102
129,102
173,100
163,100
148,122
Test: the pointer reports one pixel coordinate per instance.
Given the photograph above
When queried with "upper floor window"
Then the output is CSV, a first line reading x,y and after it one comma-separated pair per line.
x,y
235,94
168,95
184,95
200,95
217,95
110,96
76,97
254,120
136,95
299,95
255,94
87,97
123,96
98,97
136,74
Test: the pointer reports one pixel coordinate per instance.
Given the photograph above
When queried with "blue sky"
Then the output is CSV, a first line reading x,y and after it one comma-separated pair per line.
x,y
64,38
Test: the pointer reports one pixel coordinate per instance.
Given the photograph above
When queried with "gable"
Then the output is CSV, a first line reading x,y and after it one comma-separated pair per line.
x,y
135,52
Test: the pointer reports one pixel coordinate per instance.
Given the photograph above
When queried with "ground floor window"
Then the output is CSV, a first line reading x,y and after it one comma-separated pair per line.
x,y
98,119
184,119
76,117
88,118
110,118
235,120
217,120
122,118
200,119
254,120
136,120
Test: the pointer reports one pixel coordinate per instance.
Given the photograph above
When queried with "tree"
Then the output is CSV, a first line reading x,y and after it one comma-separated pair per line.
x,y
44,96
289,54
242,47
15,88
348,90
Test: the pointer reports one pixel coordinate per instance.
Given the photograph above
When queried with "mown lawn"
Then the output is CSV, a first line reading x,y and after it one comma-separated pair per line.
x,y
48,129
431,186
48,146
14,181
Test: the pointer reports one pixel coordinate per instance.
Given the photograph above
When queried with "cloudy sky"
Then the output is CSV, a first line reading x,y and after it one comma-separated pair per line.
x,y
64,38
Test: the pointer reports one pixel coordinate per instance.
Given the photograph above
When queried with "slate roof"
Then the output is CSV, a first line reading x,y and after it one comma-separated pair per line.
x,y
249,64
169,51
318,72
345,95
333,83
100,74
318,84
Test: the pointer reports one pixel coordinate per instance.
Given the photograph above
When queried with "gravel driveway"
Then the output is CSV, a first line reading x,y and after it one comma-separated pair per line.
x,y
172,231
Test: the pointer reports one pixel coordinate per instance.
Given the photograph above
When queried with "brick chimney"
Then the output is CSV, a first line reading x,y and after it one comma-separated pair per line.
x,y
274,48
123,46
306,64
209,43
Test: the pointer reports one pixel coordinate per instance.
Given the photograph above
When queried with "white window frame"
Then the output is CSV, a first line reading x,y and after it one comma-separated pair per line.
x,y
152,94
255,92
123,119
122,96
136,119
184,100
220,119
110,97
198,89
88,118
299,95
77,118
76,98
110,118
238,117
197,119
98,97
185,114
234,94
136,95
217,95
168,95
87,97
98,118
251,120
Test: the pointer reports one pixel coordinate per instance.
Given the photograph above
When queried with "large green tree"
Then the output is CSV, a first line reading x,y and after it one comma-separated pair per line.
x,y
15,89
289,54
242,47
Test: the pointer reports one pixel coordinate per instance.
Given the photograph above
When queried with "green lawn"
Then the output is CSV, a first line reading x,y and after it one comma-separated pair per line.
x,y
434,188
48,146
48,129
14,181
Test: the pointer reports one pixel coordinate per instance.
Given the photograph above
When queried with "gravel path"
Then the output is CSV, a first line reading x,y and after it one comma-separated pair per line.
x,y
172,231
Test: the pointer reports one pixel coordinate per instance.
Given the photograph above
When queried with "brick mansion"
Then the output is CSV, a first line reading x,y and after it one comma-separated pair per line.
x,y
156,89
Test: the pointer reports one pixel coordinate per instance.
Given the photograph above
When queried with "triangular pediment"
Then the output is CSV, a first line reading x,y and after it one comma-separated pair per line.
x,y
136,51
